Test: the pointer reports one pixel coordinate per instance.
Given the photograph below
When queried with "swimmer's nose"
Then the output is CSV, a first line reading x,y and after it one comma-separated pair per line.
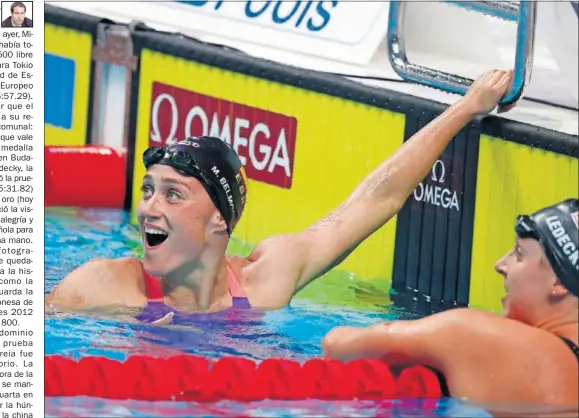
x,y
150,208
501,266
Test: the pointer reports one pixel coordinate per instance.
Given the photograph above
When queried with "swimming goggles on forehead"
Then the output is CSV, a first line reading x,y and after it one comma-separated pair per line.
x,y
525,227
184,162
181,160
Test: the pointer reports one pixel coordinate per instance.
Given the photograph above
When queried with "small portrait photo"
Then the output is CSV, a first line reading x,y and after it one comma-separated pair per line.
x,y
16,14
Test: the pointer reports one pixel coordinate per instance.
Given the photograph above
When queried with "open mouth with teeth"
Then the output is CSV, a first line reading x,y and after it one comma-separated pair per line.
x,y
155,237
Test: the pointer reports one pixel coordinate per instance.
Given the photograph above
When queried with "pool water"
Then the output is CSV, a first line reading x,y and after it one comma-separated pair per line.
x,y
73,237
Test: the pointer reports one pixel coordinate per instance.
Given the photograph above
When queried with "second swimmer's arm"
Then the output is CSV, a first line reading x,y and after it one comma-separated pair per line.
x,y
383,192
434,340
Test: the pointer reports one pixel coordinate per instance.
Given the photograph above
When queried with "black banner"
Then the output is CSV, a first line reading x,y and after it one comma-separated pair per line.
x,y
434,228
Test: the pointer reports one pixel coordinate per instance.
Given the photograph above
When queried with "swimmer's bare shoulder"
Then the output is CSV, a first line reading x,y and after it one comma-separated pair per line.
x,y
527,354
483,356
100,283
486,356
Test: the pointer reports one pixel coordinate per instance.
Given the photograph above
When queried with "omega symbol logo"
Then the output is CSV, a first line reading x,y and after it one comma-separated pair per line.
x,y
438,172
437,194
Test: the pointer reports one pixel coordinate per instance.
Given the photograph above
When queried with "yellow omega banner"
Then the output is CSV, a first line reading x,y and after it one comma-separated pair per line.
x,y
512,179
67,55
303,152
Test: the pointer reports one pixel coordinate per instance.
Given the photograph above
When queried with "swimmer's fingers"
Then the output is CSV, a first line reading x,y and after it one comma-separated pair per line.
x,y
502,83
494,79
166,320
487,90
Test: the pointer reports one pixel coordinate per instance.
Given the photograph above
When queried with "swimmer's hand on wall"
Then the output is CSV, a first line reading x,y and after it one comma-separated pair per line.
x,y
487,90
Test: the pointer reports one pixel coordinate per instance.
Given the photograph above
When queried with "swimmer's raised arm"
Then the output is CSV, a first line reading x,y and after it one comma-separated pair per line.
x,y
383,192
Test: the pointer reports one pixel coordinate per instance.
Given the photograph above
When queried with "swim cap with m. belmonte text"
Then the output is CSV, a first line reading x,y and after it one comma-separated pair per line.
x,y
217,167
557,229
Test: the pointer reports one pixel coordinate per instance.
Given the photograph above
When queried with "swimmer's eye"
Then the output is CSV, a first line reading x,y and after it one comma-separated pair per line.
x,y
147,190
173,195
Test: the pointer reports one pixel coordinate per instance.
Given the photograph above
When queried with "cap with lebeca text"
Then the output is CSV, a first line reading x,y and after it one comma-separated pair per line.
x,y
557,228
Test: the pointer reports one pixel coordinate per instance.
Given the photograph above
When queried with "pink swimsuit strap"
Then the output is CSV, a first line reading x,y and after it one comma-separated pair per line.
x,y
235,288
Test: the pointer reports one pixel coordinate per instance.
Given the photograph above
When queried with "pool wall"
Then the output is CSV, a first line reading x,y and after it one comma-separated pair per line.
x,y
68,75
307,138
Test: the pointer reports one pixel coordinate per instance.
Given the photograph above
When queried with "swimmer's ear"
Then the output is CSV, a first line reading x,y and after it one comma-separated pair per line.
x,y
219,222
559,291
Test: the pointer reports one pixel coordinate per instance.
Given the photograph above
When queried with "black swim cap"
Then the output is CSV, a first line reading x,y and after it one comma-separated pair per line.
x,y
557,229
217,167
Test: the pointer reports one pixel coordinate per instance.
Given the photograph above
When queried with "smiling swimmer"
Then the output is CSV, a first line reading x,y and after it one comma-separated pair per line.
x,y
193,197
